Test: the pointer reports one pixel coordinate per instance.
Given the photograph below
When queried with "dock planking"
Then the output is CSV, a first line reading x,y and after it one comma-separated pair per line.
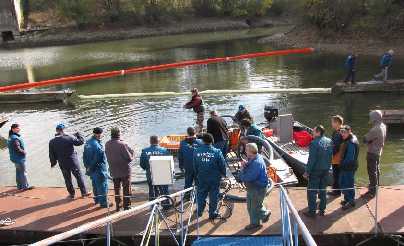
x,y
47,211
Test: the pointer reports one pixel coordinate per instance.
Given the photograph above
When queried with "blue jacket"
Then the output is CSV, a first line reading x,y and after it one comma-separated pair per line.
x,y
350,62
153,150
61,149
209,164
186,153
320,155
336,142
94,158
255,172
386,60
15,155
349,160
255,131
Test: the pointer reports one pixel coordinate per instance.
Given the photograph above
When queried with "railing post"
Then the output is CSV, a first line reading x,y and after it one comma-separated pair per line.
x,y
156,229
377,202
197,212
108,234
296,232
181,218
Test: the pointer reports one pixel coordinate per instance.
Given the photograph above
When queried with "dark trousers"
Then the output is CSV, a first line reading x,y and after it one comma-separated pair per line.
x,y
373,161
189,179
317,185
350,77
347,183
204,189
157,190
67,175
127,191
335,175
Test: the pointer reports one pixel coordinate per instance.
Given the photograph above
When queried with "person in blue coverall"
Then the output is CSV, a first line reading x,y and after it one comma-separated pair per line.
x,y
95,162
385,63
209,167
186,156
317,168
154,150
350,65
349,165
255,177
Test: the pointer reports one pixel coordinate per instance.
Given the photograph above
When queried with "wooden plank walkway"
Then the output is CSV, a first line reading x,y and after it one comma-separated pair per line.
x,y
48,210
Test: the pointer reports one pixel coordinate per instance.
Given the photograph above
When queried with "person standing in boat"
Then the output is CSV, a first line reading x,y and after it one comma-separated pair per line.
x,y
154,150
374,139
336,123
61,150
255,177
252,129
186,155
119,156
242,114
348,166
217,126
350,65
317,168
209,166
385,63
16,148
196,104
95,163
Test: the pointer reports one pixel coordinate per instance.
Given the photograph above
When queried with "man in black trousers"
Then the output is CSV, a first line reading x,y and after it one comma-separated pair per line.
x,y
61,150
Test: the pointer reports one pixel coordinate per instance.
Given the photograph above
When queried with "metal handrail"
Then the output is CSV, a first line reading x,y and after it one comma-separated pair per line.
x,y
299,224
105,221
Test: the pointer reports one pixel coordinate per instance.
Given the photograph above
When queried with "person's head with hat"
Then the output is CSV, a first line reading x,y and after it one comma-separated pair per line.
x,y
97,133
241,108
60,128
345,131
115,133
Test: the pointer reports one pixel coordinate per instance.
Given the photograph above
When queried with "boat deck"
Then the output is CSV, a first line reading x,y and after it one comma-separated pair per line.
x,y
45,211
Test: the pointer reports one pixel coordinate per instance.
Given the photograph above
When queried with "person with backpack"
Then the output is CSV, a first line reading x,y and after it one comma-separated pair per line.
x,y
186,155
385,63
348,166
196,104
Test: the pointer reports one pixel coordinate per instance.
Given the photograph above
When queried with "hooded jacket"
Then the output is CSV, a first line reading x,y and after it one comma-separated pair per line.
x,y
350,154
376,136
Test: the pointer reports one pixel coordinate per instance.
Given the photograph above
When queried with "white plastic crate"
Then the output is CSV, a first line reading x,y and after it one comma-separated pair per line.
x,y
162,170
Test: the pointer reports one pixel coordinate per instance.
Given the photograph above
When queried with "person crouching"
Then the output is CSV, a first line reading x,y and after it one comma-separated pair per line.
x,y
349,164
254,175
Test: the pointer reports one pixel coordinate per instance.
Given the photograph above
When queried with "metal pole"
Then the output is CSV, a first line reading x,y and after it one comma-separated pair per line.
x,y
296,234
181,218
156,229
108,234
197,213
377,202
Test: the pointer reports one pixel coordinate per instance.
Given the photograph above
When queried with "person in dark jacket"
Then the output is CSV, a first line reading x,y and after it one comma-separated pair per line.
x,y
336,123
119,156
209,166
350,65
95,162
242,114
61,150
317,168
349,165
186,156
196,104
217,126
255,177
154,150
16,149
385,63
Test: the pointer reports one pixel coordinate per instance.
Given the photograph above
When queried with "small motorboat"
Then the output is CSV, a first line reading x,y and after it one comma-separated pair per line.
x,y
35,96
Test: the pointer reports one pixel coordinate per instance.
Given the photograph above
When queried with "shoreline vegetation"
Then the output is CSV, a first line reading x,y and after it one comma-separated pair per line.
x,y
367,27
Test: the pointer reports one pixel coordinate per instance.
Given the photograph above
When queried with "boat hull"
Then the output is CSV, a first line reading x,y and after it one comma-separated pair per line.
x,y
35,97
369,86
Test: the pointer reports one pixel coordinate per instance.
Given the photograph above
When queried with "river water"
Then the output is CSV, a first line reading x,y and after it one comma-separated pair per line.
x,y
141,117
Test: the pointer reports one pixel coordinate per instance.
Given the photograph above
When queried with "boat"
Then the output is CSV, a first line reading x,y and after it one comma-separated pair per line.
x,y
369,86
35,96
3,120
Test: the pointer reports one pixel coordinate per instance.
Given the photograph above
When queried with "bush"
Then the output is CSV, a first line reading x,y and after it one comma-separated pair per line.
x,y
244,8
81,11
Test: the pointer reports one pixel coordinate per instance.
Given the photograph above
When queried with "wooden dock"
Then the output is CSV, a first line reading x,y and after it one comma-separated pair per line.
x,y
369,86
42,212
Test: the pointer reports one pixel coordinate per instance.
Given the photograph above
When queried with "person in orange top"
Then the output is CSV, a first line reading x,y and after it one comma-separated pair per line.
x,y
336,122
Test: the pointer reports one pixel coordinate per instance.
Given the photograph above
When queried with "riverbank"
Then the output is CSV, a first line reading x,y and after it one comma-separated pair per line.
x,y
70,35
343,43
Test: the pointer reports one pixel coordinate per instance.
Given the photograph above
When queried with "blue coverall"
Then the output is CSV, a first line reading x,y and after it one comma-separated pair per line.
x,y
209,167
96,165
318,166
349,164
185,158
154,150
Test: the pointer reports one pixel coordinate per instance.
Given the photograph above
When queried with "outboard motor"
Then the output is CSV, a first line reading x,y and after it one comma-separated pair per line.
x,y
270,113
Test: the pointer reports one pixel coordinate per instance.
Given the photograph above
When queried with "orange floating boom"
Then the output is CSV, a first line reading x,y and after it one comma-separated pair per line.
x,y
85,77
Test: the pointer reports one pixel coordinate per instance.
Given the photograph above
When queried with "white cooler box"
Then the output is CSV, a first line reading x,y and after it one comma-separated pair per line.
x,y
162,170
